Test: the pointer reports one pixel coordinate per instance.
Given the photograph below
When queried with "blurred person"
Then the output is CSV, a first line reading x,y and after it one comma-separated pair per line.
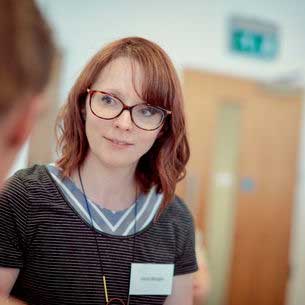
x,y
201,281
102,225
26,57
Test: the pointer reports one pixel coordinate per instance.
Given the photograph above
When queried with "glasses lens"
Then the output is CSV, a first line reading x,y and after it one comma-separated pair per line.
x,y
105,106
147,117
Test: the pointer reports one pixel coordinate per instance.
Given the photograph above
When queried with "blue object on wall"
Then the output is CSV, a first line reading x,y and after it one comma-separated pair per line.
x,y
247,185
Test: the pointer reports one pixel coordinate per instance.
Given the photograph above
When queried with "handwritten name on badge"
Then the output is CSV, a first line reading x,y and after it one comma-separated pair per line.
x,y
151,279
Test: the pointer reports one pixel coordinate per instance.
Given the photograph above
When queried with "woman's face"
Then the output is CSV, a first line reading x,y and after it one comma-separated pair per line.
x,y
118,142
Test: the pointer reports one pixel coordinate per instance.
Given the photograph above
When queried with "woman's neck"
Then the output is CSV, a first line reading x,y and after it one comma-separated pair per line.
x,y
113,188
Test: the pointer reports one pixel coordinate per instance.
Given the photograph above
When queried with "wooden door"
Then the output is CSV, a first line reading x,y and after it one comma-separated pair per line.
x,y
262,183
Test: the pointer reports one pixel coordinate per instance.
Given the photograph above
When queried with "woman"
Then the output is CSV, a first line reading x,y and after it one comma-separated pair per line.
x,y
102,225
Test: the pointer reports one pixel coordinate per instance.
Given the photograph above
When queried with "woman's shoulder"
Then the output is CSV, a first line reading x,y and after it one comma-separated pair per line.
x,y
179,211
30,174
15,194
29,187
25,180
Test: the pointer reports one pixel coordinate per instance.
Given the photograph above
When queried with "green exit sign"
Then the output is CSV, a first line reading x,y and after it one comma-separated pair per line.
x,y
254,38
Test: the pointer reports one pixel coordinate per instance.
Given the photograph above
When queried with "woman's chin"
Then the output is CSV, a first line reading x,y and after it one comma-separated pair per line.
x,y
116,163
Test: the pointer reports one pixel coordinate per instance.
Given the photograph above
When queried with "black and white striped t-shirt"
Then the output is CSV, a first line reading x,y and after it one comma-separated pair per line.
x,y
55,249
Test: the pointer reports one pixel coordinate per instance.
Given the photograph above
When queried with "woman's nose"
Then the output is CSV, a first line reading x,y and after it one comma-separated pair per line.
x,y
124,121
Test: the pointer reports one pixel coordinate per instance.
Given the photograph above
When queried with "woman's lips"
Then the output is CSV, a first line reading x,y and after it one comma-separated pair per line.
x,y
118,142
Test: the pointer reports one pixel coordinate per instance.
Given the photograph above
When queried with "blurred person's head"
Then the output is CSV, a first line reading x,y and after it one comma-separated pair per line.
x,y
26,58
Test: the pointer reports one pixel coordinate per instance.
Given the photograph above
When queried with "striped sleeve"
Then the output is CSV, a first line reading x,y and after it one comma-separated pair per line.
x,y
186,261
13,214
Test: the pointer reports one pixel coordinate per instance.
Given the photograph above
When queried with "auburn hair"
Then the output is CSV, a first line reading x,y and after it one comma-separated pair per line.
x,y
164,164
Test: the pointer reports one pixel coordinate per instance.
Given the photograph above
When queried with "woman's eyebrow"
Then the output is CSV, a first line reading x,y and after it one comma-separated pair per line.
x,y
117,93
114,92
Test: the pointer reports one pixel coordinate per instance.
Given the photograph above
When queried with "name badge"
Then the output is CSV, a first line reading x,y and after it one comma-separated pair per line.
x,y
151,279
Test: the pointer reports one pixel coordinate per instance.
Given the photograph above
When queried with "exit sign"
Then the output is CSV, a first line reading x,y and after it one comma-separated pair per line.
x,y
254,38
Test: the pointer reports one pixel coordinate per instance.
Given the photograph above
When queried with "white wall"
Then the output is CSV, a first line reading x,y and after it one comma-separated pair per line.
x,y
194,33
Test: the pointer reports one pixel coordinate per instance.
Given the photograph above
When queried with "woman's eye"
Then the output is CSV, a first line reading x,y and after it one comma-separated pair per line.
x,y
106,99
149,111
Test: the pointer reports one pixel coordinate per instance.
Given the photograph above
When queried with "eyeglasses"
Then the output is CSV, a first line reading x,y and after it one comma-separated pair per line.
x,y
107,106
